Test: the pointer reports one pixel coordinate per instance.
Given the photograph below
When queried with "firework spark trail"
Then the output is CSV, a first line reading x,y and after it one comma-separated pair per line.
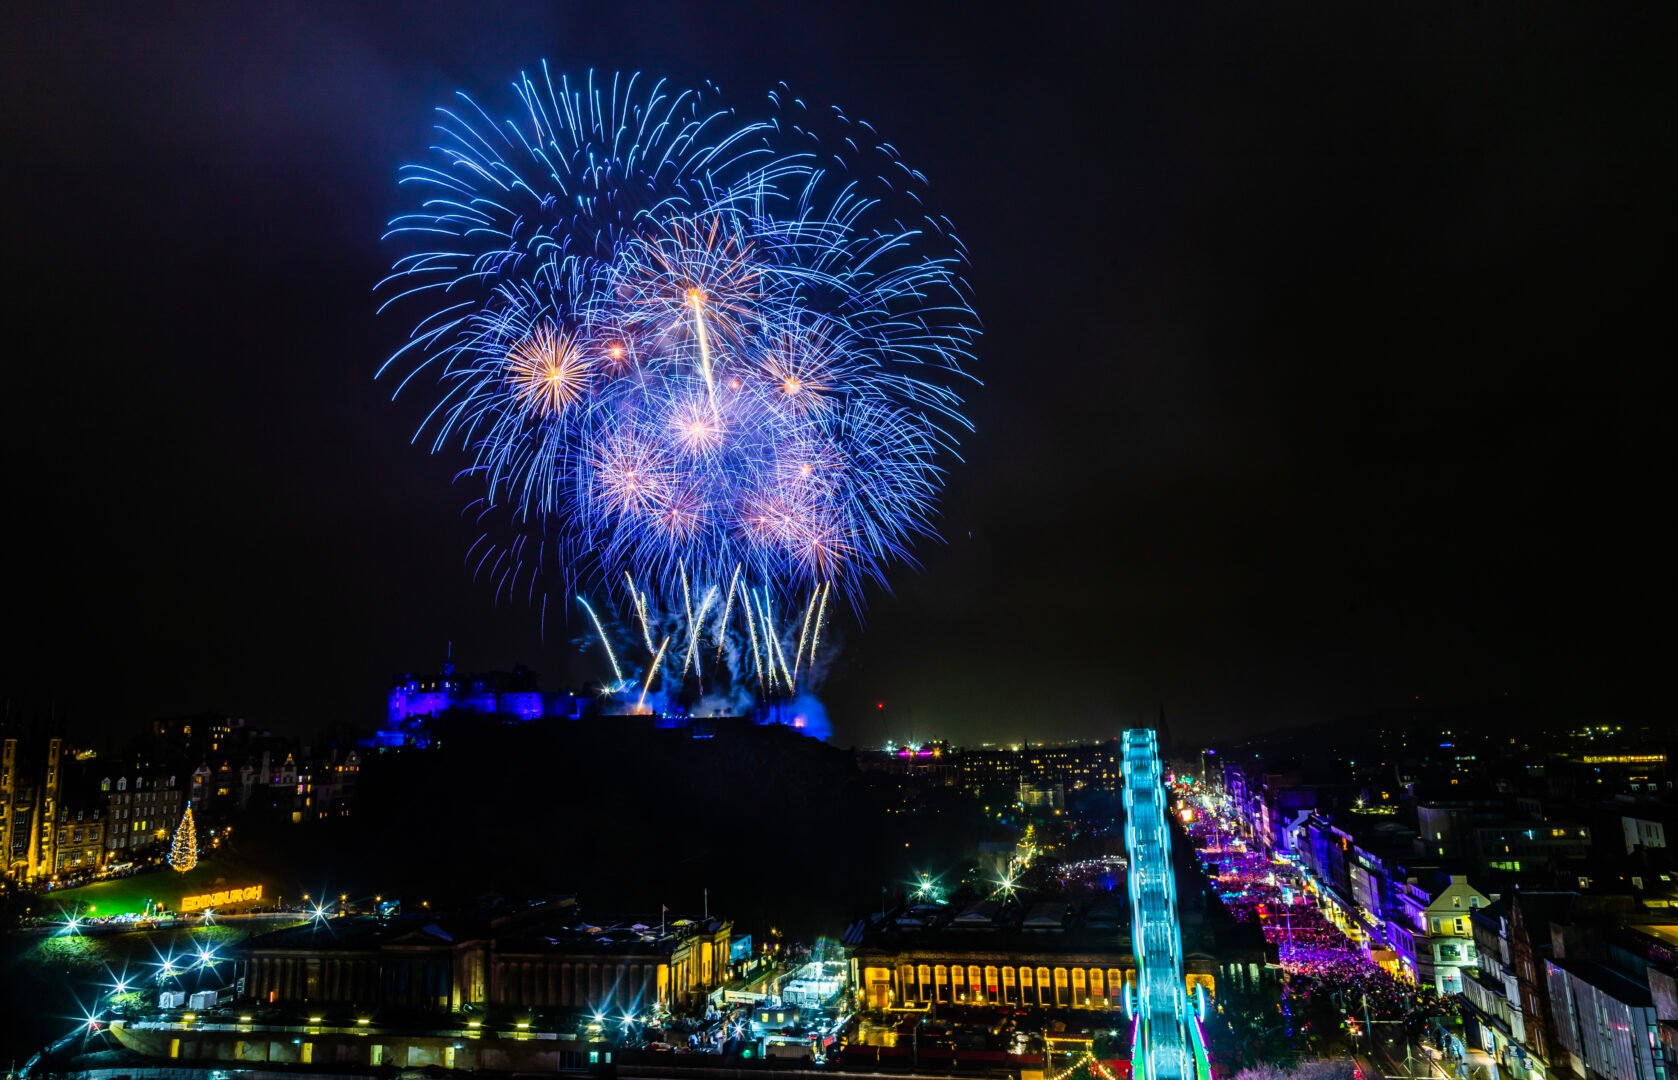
x,y
727,610
698,299
781,651
774,637
804,634
751,629
652,670
786,673
617,673
694,629
640,610
821,614
768,636
687,594
767,631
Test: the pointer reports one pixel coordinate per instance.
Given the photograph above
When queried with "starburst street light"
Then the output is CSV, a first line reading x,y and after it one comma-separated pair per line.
x,y
927,888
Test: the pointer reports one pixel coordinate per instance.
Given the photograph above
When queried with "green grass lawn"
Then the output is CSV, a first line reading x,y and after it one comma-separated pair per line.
x,y
163,885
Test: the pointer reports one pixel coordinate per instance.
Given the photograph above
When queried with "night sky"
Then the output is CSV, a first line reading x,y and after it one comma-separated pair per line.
x,y
1321,356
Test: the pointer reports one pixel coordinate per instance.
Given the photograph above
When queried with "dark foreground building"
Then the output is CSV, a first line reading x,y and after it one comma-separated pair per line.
x,y
541,956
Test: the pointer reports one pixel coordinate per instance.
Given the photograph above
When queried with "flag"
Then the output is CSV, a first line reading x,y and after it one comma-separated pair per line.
x,y
664,908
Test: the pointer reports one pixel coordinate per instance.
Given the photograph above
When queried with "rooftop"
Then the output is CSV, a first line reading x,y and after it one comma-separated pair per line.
x,y
1054,926
554,926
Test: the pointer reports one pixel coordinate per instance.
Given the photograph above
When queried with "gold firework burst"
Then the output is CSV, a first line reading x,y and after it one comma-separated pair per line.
x,y
549,370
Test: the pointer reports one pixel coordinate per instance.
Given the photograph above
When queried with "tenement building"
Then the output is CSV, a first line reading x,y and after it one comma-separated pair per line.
x,y
30,782
545,955
80,847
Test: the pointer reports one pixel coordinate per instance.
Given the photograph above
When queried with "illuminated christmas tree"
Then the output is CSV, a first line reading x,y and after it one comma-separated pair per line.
x,y
183,853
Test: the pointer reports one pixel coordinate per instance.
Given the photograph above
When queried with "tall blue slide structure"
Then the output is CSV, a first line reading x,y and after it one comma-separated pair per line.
x,y
1167,1044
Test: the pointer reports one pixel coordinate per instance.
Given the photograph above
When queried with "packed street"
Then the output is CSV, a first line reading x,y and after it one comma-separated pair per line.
x,y
1334,999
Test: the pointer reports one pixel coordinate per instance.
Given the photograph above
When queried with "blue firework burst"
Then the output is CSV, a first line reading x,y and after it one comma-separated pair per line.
x,y
678,343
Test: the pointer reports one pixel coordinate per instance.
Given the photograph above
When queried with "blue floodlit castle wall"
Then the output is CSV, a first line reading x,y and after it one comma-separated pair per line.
x,y
511,695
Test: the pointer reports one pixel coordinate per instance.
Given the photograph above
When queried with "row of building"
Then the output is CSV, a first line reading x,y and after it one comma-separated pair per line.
x,y
537,956
1036,775
1053,954
1536,881
68,814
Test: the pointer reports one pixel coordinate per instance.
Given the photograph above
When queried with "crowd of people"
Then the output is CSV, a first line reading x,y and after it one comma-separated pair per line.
x,y
1365,988
1319,960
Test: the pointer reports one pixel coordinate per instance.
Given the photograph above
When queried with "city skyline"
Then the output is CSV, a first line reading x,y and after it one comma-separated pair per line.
x,y
845,540
1313,363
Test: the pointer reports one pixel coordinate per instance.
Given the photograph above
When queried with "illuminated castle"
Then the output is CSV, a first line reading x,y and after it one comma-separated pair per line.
x,y
511,695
